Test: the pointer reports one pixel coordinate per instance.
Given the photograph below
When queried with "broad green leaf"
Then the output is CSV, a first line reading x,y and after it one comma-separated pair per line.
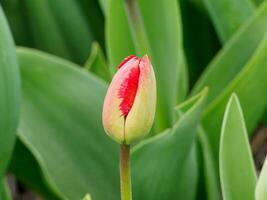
x,y
61,126
4,190
170,148
26,169
237,172
9,93
261,192
96,63
234,55
44,28
228,15
73,28
250,85
166,54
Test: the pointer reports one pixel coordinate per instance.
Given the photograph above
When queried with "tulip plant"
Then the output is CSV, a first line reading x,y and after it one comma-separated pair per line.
x,y
187,128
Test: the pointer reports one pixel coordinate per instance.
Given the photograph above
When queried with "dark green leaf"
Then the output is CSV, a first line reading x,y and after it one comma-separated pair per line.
x,y
26,169
4,190
73,28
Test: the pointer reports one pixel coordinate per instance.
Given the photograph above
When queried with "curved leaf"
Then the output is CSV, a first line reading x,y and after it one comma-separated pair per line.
x,y
165,155
228,15
9,93
26,169
237,172
234,55
261,192
45,32
73,28
250,92
61,126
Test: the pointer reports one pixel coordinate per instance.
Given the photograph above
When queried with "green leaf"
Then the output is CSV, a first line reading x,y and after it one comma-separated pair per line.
x,y
9,93
73,28
26,169
104,5
186,188
261,192
228,15
95,19
234,55
250,85
194,22
87,197
17,22
210,179
61,126
166,54
44,28
96,63
237,172
4,190
170,148
118,36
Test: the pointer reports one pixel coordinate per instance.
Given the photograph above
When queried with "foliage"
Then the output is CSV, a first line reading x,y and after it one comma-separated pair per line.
x,y
52,90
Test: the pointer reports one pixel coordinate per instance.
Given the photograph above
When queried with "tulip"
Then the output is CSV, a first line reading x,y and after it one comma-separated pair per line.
x,y
129,106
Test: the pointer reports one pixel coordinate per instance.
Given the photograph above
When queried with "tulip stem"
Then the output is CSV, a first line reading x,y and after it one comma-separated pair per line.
x,y
125,172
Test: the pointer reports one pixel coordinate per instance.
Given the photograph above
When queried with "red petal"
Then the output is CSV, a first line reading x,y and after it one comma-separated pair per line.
x,y
126,60
128,90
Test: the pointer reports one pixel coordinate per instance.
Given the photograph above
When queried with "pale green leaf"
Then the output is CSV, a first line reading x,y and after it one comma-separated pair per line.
x,y
261,192
237,171
9,93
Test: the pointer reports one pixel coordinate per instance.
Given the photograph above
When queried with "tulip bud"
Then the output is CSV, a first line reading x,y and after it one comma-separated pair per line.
x,y
129,106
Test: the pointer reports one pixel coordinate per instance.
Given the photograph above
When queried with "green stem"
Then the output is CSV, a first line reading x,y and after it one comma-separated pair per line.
x,y
125,172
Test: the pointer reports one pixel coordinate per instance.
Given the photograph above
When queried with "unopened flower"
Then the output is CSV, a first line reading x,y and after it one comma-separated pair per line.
x,y
129,106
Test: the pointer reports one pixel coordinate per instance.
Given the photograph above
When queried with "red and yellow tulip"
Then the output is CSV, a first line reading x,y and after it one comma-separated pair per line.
x,y
129,106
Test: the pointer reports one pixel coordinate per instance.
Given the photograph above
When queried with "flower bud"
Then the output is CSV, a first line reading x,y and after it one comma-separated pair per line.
x,y
129,106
